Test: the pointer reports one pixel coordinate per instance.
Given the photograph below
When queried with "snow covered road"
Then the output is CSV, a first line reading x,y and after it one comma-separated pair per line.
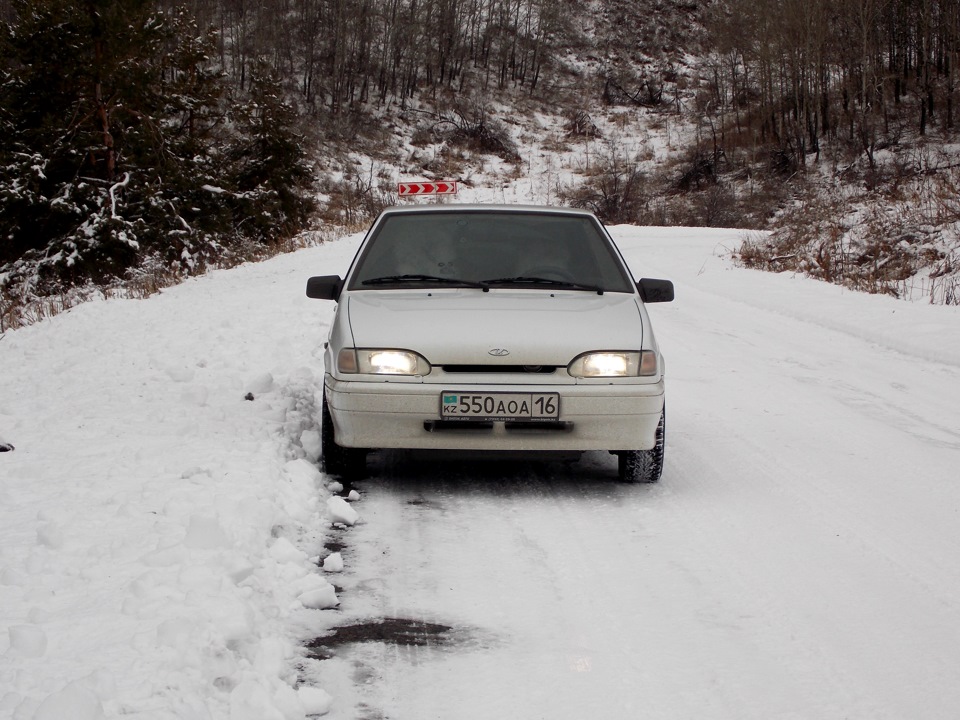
x,y
800,558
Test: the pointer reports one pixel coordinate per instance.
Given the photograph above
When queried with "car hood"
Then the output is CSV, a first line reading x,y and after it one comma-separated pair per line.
x,y
534,327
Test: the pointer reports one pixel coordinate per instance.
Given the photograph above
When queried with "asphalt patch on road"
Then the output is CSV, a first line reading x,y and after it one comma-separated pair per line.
x,y
392,631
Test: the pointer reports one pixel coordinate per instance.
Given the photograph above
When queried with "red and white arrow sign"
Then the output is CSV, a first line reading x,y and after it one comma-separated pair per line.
x,y
442,187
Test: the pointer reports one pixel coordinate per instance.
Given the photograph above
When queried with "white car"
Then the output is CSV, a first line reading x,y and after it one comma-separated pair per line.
x,y
488,327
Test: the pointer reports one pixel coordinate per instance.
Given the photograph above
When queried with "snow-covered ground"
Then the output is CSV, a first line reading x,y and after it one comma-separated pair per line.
x,y
163,527
158,530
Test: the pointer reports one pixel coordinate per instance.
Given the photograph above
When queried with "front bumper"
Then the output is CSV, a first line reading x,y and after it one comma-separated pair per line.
x,y
407,415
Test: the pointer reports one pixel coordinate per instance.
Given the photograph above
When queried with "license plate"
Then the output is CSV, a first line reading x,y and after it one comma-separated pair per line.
x,y
499,406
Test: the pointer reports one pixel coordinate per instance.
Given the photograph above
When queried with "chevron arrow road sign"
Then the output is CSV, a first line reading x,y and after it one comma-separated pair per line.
x,y
441,187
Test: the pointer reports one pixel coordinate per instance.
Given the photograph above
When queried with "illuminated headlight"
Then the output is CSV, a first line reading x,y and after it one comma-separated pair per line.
x,y
614,364
382,362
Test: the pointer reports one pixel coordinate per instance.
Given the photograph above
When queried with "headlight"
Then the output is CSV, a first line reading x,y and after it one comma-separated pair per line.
x,y
614,364
382,362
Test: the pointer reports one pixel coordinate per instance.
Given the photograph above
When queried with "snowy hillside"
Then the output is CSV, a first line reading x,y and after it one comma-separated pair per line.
x,y
168,546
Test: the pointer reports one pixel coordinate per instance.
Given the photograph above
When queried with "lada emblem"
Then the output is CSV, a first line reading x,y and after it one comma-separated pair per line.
x,y
499,352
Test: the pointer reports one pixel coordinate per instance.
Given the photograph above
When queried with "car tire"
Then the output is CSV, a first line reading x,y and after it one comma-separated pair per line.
x,y
644,466
348,463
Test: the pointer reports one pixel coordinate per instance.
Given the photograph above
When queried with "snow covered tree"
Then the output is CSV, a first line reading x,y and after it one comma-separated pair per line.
x,y
118,146
268,160
94,107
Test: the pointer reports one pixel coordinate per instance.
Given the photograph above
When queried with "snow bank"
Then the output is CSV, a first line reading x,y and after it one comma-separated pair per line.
x,y
159,529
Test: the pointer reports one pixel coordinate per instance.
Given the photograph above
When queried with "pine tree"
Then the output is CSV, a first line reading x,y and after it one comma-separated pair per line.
x,y
268,161
117,145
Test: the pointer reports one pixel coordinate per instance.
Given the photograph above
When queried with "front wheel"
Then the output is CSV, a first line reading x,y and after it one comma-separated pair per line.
x,y
643,466
348,463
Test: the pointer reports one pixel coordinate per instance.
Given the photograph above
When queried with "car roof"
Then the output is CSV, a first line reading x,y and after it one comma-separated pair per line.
x,y
477,207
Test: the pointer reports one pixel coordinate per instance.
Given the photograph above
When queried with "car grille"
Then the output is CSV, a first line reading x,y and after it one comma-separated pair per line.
x,y
529,369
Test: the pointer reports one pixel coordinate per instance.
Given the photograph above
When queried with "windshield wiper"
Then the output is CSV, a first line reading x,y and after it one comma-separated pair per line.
x,y
530,280
416,277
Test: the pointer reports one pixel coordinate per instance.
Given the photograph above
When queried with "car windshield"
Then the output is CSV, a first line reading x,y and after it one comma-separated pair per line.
x,y
490,249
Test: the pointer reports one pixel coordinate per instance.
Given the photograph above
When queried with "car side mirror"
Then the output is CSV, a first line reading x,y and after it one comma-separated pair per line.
x,y
324,287
655,291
